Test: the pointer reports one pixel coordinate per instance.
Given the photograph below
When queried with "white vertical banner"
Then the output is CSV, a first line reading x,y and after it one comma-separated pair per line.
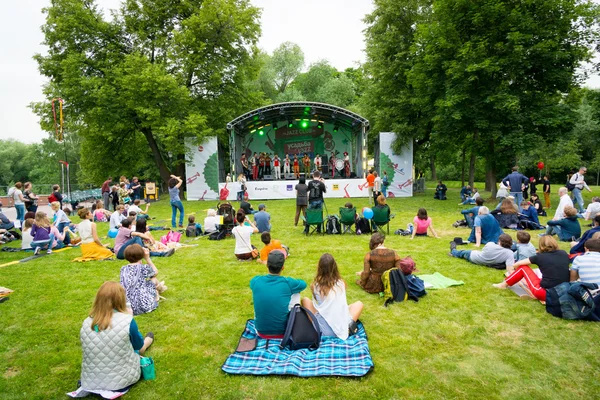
x,y
399,167
202,170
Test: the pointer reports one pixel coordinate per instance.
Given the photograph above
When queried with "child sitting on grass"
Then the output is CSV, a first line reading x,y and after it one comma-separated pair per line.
x,y
117,217
270,245
61,221
421,223
41,232
100,214
26,237
524,249
193,229
139,280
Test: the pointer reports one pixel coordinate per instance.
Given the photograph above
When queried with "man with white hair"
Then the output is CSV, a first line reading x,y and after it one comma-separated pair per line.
x,y
565,201
485,228
578,181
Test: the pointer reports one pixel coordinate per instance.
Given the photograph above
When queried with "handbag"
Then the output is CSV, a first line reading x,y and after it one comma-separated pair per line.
x,y
148,370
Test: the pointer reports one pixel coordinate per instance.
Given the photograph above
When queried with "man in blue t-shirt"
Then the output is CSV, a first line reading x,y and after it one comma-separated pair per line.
x,y
262,219
471,213
273,296
485,228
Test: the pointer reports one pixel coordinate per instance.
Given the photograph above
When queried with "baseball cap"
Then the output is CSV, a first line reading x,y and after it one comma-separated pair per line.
x,y
276,259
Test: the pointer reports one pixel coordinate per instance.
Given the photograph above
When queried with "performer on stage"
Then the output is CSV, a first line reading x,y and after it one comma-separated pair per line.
x,y
245,166
318,162
267,164
286,165
347,164
276,167
332,165
261,166
306,161
296,166
254,163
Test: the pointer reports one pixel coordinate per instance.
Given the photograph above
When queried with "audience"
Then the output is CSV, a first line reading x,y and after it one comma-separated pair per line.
x,y
244,250
537,205
592,210
554,266
246,207
211,222
136,208
565,201
139,280
376,262
111,342
507,215
523,249
273,296
586,267
42,235
499,256
471,199
193,229
421,223
26,237
101,214
471,213
465,192
329,304
485,228
567,229
528,218
61,221
578,247
262,219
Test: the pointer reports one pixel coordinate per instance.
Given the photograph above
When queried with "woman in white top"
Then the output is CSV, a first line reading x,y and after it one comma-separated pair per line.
x,y
242,232
18,200
211,222
329,304
91,247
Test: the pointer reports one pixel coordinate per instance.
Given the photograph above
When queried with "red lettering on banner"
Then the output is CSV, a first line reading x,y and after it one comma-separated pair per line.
x,y
305,146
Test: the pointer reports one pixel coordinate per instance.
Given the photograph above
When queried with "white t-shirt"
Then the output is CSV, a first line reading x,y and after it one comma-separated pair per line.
x,y
210,224
242,239
26,239
16,194
85,231
377,184
135,209
565,201
115,219
334,308
592,210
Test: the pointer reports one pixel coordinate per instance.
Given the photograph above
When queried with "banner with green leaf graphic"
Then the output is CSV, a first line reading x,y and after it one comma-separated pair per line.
x,y
202,171
398,167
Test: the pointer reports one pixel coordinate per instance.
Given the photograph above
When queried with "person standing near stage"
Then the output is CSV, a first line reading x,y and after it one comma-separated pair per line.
x,y
516,182
261,166
306,162
106,191
578,180
245,168
318,162
286,165
332,161
267,164
296,166
276,166
370,185
347,168
376,187
546,190
316,188
254,164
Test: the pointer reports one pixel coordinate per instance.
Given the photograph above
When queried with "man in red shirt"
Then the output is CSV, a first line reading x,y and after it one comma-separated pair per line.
x,y
106,191
371,184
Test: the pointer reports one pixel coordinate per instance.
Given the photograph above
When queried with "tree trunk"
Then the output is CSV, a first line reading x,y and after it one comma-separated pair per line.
x,y
490,175
472,159
462,175
433,171
165,174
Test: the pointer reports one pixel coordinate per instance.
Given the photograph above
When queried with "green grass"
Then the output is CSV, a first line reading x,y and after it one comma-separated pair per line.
x,y
470,341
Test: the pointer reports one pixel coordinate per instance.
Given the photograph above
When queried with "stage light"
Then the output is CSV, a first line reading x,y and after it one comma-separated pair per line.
x,y
290,123
319,125
304,124
336,128
261,132
274,125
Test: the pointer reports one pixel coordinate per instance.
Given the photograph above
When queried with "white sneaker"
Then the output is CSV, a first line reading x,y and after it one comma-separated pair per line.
x,y
37,251
49,251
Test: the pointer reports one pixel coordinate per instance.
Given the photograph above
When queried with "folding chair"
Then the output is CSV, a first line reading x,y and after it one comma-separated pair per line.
x,y
347,219
380,217
314,221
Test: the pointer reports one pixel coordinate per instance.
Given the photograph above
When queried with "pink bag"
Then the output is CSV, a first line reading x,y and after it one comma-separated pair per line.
x,y
172,236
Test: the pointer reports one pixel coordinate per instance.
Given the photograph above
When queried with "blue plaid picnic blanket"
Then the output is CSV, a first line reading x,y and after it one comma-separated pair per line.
x,y
334,357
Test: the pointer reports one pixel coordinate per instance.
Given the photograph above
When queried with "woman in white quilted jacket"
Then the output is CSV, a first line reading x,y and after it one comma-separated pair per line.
x,y
111,342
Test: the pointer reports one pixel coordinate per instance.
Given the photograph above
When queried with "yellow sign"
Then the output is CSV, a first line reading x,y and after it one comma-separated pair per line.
x,y
336,186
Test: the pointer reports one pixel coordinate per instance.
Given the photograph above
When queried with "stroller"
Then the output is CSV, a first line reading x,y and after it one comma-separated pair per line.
x,y
228,212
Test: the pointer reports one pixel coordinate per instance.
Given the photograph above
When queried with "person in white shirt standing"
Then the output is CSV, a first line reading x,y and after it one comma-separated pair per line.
x,y
286,165
376,186
565,200
578,180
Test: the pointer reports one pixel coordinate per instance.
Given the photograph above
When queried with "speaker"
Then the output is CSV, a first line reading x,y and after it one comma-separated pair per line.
x,y
290,177
267,177
324,169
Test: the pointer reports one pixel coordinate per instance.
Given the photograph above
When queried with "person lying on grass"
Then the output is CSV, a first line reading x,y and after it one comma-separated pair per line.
x,y
142,288
329,304
421,223
273,296
499,256
270,245
111,342
554,266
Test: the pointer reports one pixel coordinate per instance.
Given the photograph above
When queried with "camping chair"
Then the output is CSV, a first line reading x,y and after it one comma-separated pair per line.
x,y
347,219
380,217
314,220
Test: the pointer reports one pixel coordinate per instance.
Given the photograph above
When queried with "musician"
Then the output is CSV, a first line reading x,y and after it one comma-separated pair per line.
x,y
286,164
347,164
306,162
261,165
254,163
268,164
276,167
332,161
317,162
296,166
244,162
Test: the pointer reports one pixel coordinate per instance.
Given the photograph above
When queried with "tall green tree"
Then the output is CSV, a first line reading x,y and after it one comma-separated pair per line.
x,y
285,65
160,71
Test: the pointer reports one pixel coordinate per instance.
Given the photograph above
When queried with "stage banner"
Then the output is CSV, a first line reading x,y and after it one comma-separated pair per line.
x,y
397,166
202,170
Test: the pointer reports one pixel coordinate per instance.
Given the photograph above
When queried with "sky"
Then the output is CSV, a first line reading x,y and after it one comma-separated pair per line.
x,y
324,29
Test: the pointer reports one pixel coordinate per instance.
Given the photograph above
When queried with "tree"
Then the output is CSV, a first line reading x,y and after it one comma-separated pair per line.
x,y
285,64
160,71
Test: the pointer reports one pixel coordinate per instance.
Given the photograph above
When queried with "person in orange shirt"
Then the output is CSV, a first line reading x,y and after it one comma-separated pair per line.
x,y
306,161
371,185
270,245
296,166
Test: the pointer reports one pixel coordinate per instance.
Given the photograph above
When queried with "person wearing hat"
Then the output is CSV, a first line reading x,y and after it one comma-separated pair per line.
x,y
262,219
273,296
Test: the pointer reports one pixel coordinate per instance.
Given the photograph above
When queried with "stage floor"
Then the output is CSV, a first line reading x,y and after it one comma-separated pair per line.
x,y
272,190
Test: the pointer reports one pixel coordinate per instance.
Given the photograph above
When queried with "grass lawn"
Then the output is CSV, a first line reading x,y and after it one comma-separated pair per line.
x,y
471,341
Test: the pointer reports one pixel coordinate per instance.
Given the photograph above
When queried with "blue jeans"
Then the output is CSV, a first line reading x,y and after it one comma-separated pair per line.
x,y
518,198
466,254
553,230
61,227
468,200
176,205
578,203
20,211
43,244
470,220
316,204
137,240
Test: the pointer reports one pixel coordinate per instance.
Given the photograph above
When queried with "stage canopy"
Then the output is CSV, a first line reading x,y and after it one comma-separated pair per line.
x,y
298,128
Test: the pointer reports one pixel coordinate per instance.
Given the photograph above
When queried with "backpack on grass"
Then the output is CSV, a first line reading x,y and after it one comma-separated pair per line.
x,y
218,235
363,225
395,287
302,330
333,226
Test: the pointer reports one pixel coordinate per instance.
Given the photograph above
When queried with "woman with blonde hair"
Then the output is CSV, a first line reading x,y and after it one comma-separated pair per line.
x,y
329,304
43,238
91,248
111,342
554,266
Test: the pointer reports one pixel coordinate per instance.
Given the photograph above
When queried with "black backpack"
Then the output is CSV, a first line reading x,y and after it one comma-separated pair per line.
x,y
363,225
333,226
218,235
395,287
302,330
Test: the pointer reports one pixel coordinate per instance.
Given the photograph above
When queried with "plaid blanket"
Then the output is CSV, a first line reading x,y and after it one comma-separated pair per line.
x,y
334,357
